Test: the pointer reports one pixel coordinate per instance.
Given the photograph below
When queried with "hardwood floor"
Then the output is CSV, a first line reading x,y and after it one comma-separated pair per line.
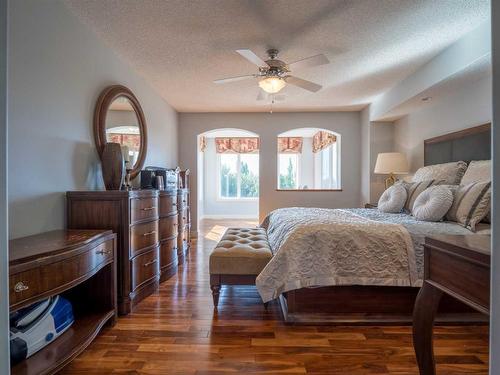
x,y
176,331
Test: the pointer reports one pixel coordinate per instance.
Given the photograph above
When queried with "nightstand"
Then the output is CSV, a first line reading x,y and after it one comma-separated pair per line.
x,y
371,205
458,266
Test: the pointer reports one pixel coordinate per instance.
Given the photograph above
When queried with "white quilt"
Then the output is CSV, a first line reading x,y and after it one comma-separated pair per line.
x,y
323,247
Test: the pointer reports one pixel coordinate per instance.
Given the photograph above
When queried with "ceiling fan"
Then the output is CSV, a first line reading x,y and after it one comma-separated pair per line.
x,y
274,73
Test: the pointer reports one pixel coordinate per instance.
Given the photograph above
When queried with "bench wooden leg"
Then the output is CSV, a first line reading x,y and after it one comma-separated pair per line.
x,y
215,294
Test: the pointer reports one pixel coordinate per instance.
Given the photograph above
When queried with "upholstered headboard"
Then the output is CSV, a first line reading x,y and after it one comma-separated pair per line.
x,y
469,144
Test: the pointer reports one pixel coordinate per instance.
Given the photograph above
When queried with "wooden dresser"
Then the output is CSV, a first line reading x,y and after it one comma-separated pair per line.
x,y
169,218
80,266
134,217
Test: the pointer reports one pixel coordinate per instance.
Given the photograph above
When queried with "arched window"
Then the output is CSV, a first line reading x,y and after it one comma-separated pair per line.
x,y
308,159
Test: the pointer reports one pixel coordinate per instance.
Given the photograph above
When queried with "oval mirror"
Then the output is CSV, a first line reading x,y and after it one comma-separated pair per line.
x,y
119,118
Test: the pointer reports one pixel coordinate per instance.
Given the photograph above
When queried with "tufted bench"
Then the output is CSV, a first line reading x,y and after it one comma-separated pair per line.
x,y
238,258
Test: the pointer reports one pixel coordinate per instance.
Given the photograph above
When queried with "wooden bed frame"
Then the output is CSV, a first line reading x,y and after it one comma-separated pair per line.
x,y
383,304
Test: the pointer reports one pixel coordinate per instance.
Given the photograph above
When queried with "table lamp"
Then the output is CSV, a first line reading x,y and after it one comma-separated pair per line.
x,y
391,163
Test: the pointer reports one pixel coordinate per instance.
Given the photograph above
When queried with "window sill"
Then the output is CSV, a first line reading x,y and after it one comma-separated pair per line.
x,y
237,200
308,190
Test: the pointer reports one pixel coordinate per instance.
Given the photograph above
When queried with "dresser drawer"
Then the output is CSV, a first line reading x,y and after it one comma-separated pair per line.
x,y
145,267
44,280
168,204
143,235
182,239
168,227
168,252
182,200
183,217
143,209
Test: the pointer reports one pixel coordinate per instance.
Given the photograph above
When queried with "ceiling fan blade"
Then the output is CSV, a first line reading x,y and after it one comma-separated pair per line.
x,y
234,79
309,62
302,83
262,95
252,57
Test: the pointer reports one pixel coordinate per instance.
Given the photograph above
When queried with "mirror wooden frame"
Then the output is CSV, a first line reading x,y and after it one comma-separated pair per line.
x,y
108,95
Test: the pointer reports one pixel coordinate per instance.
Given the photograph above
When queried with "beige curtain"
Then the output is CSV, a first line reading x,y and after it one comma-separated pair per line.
x,y
237,145
323,139
203,143
290,145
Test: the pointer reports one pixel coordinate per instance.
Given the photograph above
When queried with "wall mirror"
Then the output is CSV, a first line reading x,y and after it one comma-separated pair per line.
x,y
119,118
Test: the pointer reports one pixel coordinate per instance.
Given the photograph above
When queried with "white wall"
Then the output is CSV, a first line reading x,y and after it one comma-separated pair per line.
x,y
465,108
213,207
57,68
381,140
4,254
268,126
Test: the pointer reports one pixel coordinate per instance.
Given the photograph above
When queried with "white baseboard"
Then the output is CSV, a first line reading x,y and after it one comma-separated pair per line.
x,y
244,217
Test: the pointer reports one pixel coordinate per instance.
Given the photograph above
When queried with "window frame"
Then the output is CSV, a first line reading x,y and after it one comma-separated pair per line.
x,y
298,156
238,198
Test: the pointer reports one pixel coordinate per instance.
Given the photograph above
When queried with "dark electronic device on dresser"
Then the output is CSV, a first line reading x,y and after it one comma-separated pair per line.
x,y
169,176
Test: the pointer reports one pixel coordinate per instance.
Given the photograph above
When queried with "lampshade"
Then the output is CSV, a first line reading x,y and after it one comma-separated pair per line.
x,y
391,162
272,85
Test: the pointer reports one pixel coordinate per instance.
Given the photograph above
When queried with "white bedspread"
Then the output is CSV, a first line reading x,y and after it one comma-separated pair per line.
x,y
323,247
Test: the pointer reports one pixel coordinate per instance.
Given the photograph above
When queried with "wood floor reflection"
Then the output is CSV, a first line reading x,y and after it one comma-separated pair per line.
x,y
176,331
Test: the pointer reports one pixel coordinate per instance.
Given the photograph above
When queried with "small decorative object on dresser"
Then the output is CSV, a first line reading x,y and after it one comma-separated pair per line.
x,y
133,216
79,265
447,257
113,166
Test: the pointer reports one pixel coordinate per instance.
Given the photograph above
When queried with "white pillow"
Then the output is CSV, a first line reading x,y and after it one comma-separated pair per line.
x,y
451,173
393,199
477,171
433,203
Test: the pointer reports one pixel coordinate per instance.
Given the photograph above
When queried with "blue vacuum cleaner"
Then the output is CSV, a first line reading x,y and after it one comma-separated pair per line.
x,y
35,326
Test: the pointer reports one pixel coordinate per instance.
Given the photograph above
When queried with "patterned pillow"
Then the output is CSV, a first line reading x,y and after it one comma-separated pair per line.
x,y
393,199
433,203
451,173
471,203
414,189
478,171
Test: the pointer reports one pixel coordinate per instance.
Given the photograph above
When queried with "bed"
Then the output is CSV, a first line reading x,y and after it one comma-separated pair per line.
x,y
375,272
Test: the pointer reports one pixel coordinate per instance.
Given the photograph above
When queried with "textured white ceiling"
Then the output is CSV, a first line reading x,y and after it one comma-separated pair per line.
x,y
180,46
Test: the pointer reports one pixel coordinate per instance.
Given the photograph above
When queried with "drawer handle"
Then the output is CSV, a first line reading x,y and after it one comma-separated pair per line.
x,y
20,287
149,233
174,204
183,201
150,263
103,252
148,208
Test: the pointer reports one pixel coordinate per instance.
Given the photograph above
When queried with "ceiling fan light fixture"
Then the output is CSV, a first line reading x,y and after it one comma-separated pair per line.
x,y
272,85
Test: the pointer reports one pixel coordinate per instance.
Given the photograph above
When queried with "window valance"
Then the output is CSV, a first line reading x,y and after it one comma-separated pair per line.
x,y
203,143
289,145
323,139
237,145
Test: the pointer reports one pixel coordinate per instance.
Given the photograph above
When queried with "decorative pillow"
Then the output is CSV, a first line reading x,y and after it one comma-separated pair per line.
x,y
393,199
478,171
471,203
433,203
451,173
414,189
